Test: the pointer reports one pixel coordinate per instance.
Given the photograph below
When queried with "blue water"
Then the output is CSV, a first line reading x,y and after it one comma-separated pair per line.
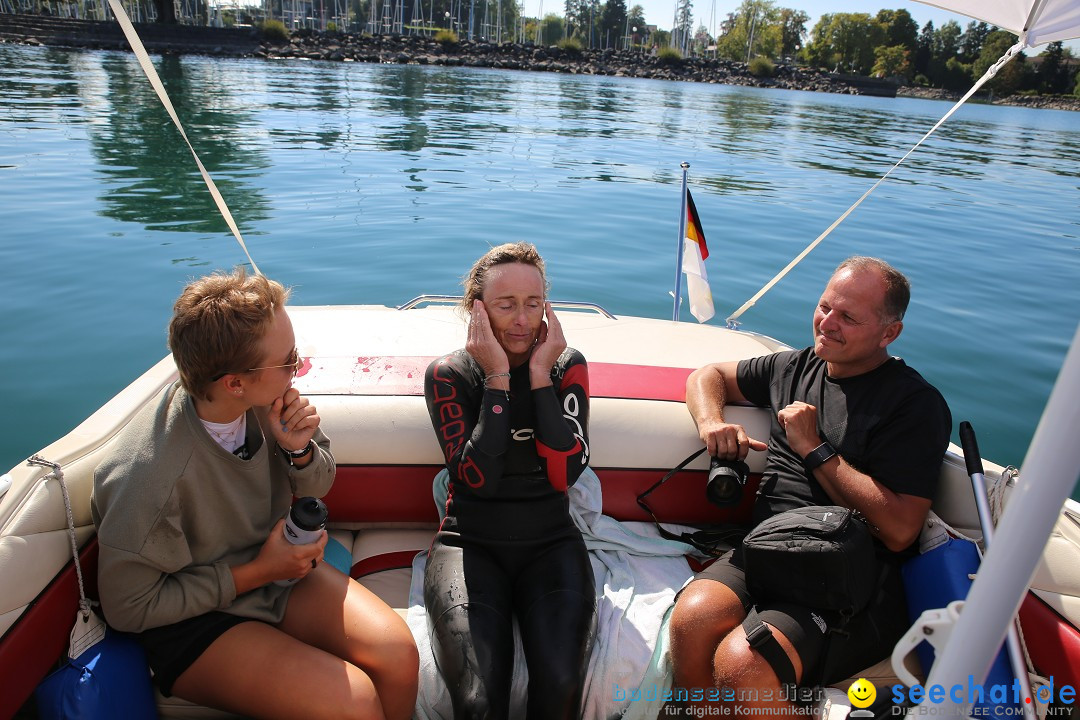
x,y
371,184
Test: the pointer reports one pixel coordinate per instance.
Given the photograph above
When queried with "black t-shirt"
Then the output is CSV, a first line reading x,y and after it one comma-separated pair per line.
x,y
528,445
889,423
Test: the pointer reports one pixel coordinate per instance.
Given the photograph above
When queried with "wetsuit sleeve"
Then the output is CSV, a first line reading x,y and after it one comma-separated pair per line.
x,y
562,421
472,425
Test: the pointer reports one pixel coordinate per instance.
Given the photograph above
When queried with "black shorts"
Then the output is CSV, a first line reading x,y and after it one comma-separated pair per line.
x,y
171,649
865,640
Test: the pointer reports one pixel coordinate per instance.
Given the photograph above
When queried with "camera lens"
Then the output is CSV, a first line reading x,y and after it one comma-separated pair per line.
x,y
726,481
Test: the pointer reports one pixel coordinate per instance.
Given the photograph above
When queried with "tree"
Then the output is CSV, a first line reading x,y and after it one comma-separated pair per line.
x,y
1015,76
552,29
577,14
792,31
753,29
900,28
947,41
684,24
636,19
1053,72
972,40
613,20
924,48
845,41
702,40
891,61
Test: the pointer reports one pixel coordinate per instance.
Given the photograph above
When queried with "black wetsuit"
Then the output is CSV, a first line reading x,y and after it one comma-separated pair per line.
x,y
507,546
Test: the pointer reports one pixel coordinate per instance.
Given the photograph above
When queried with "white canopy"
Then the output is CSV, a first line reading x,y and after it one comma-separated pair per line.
x,y
1034,21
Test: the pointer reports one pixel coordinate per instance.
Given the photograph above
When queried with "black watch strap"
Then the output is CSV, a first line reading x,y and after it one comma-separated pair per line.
x,y
299,453
821,454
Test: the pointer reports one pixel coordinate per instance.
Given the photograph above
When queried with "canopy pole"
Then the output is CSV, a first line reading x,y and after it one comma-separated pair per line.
x,y
1049,473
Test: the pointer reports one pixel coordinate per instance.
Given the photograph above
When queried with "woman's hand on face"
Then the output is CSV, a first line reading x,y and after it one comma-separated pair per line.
x,y
549,345
293,420
481,343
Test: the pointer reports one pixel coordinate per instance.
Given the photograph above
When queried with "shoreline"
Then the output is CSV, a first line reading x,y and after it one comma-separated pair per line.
x,y
419,50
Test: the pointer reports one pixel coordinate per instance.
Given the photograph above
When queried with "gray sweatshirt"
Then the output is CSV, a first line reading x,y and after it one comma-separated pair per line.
x,y
174,510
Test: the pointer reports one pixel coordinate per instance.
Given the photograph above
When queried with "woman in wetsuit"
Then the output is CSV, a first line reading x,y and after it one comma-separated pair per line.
x,y
511,414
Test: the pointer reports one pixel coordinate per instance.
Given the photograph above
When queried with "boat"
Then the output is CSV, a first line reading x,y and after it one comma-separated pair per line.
x,y
368,386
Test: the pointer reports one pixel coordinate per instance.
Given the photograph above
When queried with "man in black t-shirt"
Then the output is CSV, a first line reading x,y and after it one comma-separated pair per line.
x,y
853,427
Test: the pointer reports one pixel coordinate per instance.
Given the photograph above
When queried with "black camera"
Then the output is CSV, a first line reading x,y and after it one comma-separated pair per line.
x,y
727,478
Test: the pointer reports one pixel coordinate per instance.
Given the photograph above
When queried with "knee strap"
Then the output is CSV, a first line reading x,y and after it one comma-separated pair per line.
x,y
761,639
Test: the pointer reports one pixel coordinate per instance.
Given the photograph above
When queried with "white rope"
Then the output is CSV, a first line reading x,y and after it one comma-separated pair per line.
x,y
58,473
155,81
732,320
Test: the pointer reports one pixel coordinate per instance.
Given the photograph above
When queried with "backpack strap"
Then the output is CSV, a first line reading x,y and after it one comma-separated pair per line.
x,y
761,638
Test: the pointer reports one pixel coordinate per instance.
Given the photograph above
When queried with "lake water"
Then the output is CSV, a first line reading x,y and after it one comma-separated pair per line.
x,y
362,183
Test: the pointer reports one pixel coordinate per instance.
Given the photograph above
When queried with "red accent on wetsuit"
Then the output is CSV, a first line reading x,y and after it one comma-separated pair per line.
x,y
556,463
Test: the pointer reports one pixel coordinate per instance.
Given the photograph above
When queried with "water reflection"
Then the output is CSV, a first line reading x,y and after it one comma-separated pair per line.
x,y
151,178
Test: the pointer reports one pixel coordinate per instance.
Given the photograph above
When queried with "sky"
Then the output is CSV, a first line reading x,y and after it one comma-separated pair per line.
x,y
661,12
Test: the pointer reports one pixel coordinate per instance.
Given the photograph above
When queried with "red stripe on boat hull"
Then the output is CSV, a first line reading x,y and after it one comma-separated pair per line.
x,y
404,375
402,493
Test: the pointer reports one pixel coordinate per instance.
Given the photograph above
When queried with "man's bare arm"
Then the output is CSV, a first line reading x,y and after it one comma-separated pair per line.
x,y
707,390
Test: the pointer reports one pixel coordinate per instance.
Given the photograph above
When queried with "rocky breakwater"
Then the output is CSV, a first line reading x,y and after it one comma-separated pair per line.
x,y
352,47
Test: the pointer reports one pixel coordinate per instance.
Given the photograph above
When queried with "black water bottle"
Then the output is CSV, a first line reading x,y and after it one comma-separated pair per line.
x,y
305,521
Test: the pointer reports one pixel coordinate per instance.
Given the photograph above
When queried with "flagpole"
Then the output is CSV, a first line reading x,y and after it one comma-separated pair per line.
x,y
682,239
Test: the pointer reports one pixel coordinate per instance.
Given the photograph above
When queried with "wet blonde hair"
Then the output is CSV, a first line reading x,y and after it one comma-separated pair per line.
x,y
519,252
218,325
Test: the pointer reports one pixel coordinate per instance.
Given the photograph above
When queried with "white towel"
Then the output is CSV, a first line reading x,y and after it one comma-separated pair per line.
x,y
637,574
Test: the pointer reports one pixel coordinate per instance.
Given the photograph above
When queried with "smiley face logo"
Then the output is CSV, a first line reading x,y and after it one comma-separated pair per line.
x,y
862,693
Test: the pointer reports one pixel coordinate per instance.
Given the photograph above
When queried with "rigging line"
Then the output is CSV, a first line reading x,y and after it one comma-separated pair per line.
x,y
155,81
732,320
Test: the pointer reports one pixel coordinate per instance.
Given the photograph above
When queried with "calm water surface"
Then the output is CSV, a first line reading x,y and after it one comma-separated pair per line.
x,y
372,184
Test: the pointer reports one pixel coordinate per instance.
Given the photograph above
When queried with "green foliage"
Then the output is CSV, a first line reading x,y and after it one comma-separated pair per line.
x,y
845,42
1053,73
900,28
274,31
756,28
669,56
891,61
921,80
446,38
613,19
1017,75
1076,90
957,75
552,29
570,46
762,67
331,27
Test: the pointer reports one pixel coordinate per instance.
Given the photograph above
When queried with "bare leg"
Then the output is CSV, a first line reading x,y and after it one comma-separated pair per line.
x,y
705,613
738,666
256,670
330,611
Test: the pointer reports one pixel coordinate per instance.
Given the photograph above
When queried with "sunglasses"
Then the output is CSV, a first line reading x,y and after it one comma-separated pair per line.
x,y
295,363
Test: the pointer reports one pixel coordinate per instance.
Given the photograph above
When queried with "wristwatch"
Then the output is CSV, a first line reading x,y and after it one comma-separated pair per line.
x,y
821,454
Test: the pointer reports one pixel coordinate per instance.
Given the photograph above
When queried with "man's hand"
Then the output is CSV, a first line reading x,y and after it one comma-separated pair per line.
x,y
799,421
727,441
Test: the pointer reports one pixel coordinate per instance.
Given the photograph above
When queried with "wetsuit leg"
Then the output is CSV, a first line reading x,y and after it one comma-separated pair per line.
x,y
469,607
555,601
